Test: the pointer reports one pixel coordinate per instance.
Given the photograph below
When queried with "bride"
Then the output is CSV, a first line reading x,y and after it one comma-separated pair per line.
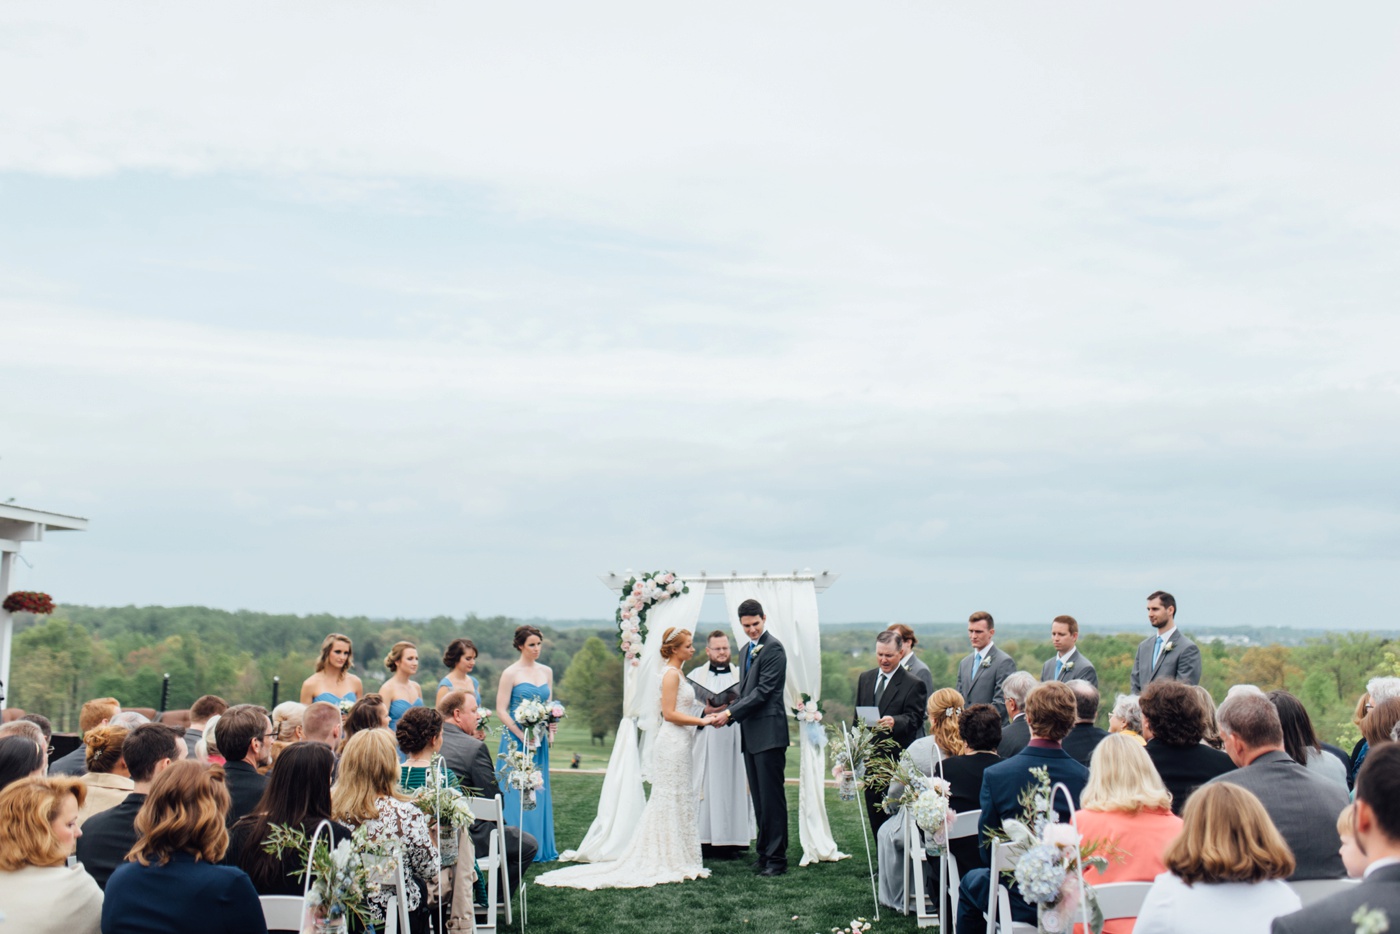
x,y
666,844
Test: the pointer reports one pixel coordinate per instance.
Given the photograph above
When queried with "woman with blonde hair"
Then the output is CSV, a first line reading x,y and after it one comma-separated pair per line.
x,y
107,779
38,832
366,793
1126,805
286,724
332,681
944,708
1225,872
172,881
400,692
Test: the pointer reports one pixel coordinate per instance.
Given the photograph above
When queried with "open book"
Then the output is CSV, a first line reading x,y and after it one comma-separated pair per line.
x,y
712,699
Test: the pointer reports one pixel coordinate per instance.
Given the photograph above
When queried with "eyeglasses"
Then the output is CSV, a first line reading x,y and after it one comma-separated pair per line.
x,y
50,750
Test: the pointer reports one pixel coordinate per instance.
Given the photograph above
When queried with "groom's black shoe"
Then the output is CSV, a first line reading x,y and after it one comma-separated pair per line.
x,y
774,871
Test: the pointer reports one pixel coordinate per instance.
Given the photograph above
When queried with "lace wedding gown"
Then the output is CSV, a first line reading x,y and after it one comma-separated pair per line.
x,y
666,845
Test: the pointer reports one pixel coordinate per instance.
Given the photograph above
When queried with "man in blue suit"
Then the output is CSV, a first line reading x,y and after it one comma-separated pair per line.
x,y
1051,712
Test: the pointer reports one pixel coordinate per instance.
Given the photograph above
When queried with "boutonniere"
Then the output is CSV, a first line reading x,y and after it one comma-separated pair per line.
x,y
1069,666
1370,920
756,649
1168,647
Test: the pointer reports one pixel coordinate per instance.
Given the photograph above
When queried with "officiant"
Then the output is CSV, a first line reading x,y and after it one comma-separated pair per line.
x,y
726,819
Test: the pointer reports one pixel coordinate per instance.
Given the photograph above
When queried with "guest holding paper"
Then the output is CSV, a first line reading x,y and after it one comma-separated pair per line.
x,y
893,701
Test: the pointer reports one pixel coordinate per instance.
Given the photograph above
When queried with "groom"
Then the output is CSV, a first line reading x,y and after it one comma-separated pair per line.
x,y
764,731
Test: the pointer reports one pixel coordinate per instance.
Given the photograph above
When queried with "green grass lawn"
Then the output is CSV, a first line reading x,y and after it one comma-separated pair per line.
x,y
573,737
732,899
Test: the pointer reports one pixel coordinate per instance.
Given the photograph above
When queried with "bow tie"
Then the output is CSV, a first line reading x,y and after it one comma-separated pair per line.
x,y
719,669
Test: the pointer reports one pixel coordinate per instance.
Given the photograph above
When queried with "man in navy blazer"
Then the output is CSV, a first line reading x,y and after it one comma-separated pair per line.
x,y
763,725
1051,711
1376,823
109,835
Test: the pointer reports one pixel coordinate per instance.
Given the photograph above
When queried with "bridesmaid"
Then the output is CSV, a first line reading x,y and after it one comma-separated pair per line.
x,y
527,678
460,659
333,681
401,693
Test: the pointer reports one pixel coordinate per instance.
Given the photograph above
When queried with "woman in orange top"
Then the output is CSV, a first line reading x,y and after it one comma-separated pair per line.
x,y
1126,806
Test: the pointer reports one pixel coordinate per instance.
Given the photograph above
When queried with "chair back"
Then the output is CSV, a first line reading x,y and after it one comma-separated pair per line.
x,y
1315,890
1121,899
281,912
965,825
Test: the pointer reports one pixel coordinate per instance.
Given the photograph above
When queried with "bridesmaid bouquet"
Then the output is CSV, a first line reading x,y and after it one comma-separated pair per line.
x,y
554,713
531,716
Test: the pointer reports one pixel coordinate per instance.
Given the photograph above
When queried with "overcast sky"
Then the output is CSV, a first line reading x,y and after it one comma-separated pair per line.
x,y
425,309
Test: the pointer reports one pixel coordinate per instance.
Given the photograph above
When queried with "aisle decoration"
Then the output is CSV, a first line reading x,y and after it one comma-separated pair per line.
x,y
521,773
341,878
855,748
926,796
28,601
640,594
447,807
1046,859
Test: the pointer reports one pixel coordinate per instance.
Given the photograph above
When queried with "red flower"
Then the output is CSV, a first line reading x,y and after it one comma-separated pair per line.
x,y
28,601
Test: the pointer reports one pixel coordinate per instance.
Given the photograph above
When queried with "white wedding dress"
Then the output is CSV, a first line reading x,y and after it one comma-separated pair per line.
x,y
666,845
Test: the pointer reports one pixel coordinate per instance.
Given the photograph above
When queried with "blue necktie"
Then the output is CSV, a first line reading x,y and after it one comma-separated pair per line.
x,y
1059,667
976,664
1157,652
748,655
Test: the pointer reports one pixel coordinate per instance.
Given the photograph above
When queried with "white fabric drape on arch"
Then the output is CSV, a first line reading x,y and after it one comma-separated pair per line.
x,y
791,609
621,801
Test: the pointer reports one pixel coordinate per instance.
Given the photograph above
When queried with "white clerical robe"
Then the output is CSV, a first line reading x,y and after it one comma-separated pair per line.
x,y
726,811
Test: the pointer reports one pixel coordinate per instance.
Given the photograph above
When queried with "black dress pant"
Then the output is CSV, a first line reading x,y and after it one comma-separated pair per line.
x,y
765,773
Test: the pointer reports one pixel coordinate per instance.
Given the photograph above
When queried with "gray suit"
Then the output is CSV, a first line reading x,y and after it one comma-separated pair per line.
x,y
985,688
471,760
1378,891
1303,806
919,670
1182,663
1080,669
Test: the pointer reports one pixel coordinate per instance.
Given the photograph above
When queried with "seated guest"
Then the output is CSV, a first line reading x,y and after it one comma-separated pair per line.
x,y
321,723
928,754
1173,726
1376,830
172,882
39,894
1225,872
1378,726
207,749
367,793
1302,804
110,835
95,713
107,779
1378,691
1358,751
1016,733
26,727
210,705
245,739
298,795
1085,736
1300,739
471,760
20,757
1126,805
1210,724
1051,712
980,729
369,712
1126,718
420,738
1352,857
42,722
286,727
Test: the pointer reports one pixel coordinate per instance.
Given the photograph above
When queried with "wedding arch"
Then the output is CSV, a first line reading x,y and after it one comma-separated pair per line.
x,y
790,603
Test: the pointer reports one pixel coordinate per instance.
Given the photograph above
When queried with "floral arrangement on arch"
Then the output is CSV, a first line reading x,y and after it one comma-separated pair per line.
x,y
639,595
1046,858
808,713
29,601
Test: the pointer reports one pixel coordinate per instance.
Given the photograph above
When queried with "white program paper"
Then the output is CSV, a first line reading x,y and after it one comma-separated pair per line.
x,y
868,715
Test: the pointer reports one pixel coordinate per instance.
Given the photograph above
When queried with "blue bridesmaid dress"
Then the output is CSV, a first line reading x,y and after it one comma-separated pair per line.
x,y
400,707
330,698
540,821
447,683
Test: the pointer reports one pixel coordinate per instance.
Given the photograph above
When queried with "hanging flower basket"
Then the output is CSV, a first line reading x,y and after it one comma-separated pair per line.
x,y
29,601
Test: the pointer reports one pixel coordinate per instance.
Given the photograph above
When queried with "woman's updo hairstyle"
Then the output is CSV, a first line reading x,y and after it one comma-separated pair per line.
x,y
672,640
417,729
945,707
522,635
391,661
104,747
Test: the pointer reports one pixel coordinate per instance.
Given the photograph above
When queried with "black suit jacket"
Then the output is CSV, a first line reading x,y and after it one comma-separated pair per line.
x,y
245,788
904,700
1380,892
1185,768
759,710
964,775
1015,736
108,836
1082,741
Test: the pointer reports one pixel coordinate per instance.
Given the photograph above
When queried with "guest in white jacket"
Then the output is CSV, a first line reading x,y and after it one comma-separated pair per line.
x,y
38,832
1225,872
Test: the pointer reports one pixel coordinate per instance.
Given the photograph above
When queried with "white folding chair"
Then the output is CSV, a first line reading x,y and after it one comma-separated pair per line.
x,y
999,901
1314,890
281,912
498,888
1121,899
964,826
914,859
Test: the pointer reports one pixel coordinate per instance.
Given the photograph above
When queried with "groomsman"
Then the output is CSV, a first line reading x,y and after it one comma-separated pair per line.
x,y
726,813
763,726
980,674
900,699
1168,656
1069,664
913,664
